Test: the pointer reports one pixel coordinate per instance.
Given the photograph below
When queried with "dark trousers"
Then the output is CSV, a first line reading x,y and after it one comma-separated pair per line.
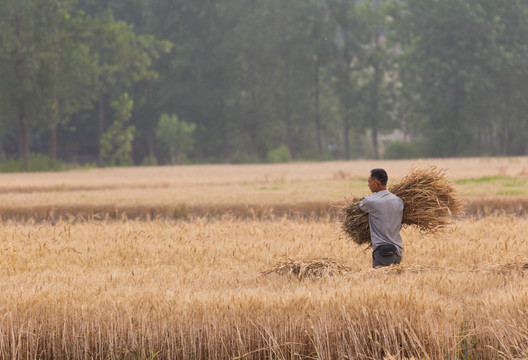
x,y
379,260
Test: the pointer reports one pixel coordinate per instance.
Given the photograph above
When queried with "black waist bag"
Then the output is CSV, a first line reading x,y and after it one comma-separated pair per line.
x,y
387,250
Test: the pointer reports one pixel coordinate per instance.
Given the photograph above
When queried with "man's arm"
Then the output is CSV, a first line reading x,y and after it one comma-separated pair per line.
x,y
364,205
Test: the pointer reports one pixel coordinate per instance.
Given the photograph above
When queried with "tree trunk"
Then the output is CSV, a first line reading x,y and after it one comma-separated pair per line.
x,y
316,110
174,157
198,145
505,139
375,87
287,114
150,144
254,112
2,151
374,110
492,139
526,141
23,132
346,132
223,124
479,139
100,128
288,119
456,117
225,146
253,88
52,147
346,118
23,135
288,129
346,98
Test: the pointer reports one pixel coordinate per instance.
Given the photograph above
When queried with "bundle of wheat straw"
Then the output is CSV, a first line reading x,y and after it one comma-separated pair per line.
x,y
309,268
430,202
355,222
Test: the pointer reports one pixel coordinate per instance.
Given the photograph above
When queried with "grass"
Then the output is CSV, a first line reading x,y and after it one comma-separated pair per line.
x,y
510,192
168,262
38,163
484,179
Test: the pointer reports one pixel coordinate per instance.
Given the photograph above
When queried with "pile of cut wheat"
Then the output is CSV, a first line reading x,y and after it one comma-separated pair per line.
x,y
304,268
430,202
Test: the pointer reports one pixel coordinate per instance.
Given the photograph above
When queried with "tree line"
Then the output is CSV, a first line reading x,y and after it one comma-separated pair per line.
x,y
122,82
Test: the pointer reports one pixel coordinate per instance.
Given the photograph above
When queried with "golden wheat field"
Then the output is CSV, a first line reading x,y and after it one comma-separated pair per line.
x,y
192,263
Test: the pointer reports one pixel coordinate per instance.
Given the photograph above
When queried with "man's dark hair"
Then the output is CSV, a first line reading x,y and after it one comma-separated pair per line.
x,y
380,175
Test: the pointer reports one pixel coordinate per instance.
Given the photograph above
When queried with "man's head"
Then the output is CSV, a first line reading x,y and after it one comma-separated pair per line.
x,y
377,180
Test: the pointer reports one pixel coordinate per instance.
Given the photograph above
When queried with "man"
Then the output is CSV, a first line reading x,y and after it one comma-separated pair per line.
x,y
385,220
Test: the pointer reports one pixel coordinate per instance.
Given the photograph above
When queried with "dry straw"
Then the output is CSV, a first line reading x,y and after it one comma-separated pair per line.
x,y
430,203
305,268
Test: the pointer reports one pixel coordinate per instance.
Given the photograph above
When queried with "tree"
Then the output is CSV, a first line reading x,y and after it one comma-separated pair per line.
x,y
464,60
176,137
50,67
377,75
123,58
346,65
20,64
116,142
508,76
250,76
68,69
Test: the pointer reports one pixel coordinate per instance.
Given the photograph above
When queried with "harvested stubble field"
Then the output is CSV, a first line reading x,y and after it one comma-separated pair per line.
x,y
86,287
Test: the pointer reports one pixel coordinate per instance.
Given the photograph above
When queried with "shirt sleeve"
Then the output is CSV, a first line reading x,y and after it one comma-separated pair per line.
x,y
364,205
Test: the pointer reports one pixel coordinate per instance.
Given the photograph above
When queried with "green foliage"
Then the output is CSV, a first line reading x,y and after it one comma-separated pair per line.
x,y
516,182
279,155
241,157
251,75
116,143
510,192
463,73
403,150
123,57
48,72
38,163
149,161
484,179
176,137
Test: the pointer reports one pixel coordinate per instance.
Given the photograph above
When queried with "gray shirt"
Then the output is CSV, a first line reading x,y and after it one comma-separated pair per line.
x,y
385,218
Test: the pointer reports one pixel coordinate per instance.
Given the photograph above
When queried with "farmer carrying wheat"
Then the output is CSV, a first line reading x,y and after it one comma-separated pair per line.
x,y
385,212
